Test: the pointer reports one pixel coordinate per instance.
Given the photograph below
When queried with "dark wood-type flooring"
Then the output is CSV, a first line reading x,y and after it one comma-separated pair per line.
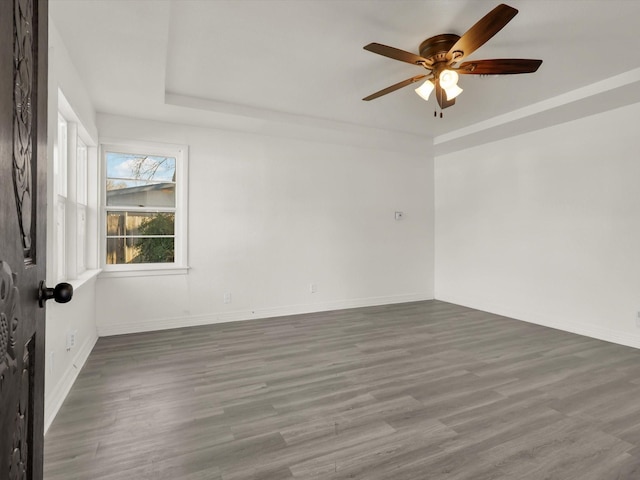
x,y
425,390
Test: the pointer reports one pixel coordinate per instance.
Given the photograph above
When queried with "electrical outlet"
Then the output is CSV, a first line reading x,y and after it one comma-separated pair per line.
x,y
227,297
313,288
71,339
399,215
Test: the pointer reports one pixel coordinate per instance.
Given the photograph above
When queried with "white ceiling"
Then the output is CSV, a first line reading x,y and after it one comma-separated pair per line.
x,y
244,61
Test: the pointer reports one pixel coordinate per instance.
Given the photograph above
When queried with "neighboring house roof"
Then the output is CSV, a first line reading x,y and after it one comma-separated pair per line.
x,y
140,189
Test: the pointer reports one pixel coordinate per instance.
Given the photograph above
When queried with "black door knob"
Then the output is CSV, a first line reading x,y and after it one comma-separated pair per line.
x,y
61,293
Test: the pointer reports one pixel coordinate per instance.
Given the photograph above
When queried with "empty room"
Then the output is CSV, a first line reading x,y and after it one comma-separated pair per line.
x,y
320,239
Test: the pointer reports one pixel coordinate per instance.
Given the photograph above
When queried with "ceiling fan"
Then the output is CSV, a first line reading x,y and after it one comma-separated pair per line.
x,y
441,56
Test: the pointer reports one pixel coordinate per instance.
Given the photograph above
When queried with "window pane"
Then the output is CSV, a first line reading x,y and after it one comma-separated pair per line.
x,y
61,248
60,158
140,250
81,242
81,173
140,223
140,180
134,166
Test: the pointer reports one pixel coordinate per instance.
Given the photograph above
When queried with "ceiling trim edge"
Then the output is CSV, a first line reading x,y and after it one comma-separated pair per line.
x,y
614,92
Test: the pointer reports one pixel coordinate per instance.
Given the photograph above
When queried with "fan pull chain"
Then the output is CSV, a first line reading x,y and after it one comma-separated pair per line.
x,y
439,103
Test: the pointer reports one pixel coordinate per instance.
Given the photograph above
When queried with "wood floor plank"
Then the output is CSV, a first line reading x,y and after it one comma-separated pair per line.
x,y
396,392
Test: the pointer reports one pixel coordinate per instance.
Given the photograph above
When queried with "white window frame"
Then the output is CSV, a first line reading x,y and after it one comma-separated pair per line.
x,y
181,154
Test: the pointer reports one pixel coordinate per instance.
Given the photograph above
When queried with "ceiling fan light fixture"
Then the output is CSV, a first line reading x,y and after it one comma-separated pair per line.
x,y
452,92
425,89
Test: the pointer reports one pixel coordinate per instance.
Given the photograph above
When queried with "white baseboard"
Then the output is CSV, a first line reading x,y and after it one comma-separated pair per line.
x,y
538,318
54,400
208,319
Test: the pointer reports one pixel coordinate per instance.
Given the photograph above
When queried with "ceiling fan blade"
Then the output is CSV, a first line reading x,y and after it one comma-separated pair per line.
x,y
441,97
395,87
396,54
502,66
482,31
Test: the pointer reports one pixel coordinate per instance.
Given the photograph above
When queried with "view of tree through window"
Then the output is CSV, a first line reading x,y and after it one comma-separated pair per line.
x,y
141,208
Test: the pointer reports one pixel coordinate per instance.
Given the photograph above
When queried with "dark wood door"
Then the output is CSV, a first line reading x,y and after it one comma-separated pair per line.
x,y
23,153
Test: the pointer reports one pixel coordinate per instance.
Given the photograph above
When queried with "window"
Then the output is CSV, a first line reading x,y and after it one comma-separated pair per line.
x,y
144,217
74,200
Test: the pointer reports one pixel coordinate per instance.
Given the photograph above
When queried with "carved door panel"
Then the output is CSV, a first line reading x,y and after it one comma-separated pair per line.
x,y
23,151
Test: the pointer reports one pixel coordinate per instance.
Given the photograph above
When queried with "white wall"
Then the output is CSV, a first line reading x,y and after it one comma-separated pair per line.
x,y
77,316
271,214
62,364
544,227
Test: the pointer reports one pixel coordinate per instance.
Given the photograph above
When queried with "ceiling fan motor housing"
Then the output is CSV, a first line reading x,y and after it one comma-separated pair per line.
x,y
436,48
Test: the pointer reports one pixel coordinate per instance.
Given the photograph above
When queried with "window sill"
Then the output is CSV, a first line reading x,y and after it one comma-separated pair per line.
x,y
144,272
84,278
